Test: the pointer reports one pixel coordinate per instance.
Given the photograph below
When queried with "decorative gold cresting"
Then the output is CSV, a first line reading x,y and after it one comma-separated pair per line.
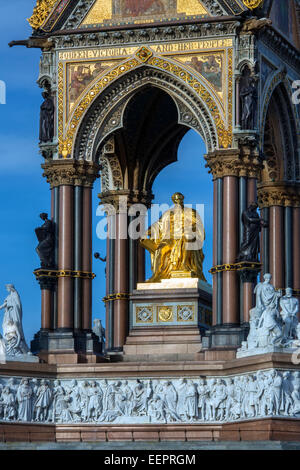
x,y
252,4
41,12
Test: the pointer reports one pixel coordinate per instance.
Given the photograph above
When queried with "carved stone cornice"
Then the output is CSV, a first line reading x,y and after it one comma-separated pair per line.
x,y
121,200
281,46
234,163
71,172
278,194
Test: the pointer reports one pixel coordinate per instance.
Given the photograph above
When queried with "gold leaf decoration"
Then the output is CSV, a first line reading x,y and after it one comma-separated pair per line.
x,y
41,12
252,4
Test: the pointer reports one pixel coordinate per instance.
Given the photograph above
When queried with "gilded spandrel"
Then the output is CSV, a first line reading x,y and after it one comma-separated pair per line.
x,y
175,242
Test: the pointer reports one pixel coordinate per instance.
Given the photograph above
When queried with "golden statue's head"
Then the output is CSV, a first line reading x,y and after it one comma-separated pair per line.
x,y
178,198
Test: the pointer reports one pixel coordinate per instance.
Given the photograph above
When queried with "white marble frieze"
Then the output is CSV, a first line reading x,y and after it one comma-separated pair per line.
x,y
257,395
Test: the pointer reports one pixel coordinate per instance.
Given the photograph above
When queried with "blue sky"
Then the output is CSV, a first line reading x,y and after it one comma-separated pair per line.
x,y
24,194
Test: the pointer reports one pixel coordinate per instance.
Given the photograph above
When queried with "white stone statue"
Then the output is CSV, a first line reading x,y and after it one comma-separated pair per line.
x,y
274,323
12,324
289,313
265,294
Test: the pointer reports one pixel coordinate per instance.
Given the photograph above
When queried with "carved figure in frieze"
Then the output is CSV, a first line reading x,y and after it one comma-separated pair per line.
x,y
275,392
43,401
203,393
75,401
287,397
95,406
128,395
230,409
84,399
8,401
140,399
251,393
296,394
59,404
170,396
24,398
156,409
219,400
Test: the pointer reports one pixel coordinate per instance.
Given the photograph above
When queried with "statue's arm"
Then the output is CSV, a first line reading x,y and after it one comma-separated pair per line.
x,y
4,305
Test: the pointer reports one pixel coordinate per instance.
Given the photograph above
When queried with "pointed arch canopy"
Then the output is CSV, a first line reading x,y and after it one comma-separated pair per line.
x,y
175,79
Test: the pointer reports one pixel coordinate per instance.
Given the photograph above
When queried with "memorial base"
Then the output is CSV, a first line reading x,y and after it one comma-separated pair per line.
x,y
225,336
136,401
167,320
67,347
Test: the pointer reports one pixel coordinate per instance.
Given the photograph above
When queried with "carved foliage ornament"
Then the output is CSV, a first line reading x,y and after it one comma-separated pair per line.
x,y
252,4
41,12
76,173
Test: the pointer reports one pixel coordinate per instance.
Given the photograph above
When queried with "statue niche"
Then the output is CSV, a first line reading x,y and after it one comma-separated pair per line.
x,y
248,100
46,237
175,243
47,118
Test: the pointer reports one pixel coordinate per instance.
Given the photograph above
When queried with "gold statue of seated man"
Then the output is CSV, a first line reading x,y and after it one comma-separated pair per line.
x,y
175,243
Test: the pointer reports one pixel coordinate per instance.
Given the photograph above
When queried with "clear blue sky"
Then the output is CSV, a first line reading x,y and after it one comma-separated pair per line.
x,y
24,194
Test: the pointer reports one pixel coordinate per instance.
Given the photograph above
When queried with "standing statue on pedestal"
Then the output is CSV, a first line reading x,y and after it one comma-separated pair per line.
x,y
175,243
12,324
289,313
252,226
248,95
47,118
46,237
271,328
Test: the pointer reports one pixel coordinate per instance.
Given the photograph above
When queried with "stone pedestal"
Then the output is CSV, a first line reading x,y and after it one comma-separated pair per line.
x,y
67,347
167,319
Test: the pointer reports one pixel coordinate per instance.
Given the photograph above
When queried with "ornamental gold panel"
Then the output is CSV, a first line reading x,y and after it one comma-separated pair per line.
x,y
165,314
144,314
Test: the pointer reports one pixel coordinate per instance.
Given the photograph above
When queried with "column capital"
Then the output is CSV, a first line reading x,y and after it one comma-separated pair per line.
x,y
278,194
71,172
123,199
234,162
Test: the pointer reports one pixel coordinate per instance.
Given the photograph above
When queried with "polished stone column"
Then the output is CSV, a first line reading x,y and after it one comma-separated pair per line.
x,y
296,249
46,307
219,314
87,258
110,280
65,258
230,248
242,207
277,246
78,232
121,280
215,252
55,192
247,298
288,245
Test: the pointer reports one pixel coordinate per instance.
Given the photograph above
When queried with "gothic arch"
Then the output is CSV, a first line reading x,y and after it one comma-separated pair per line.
x,y
279,135
164,73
